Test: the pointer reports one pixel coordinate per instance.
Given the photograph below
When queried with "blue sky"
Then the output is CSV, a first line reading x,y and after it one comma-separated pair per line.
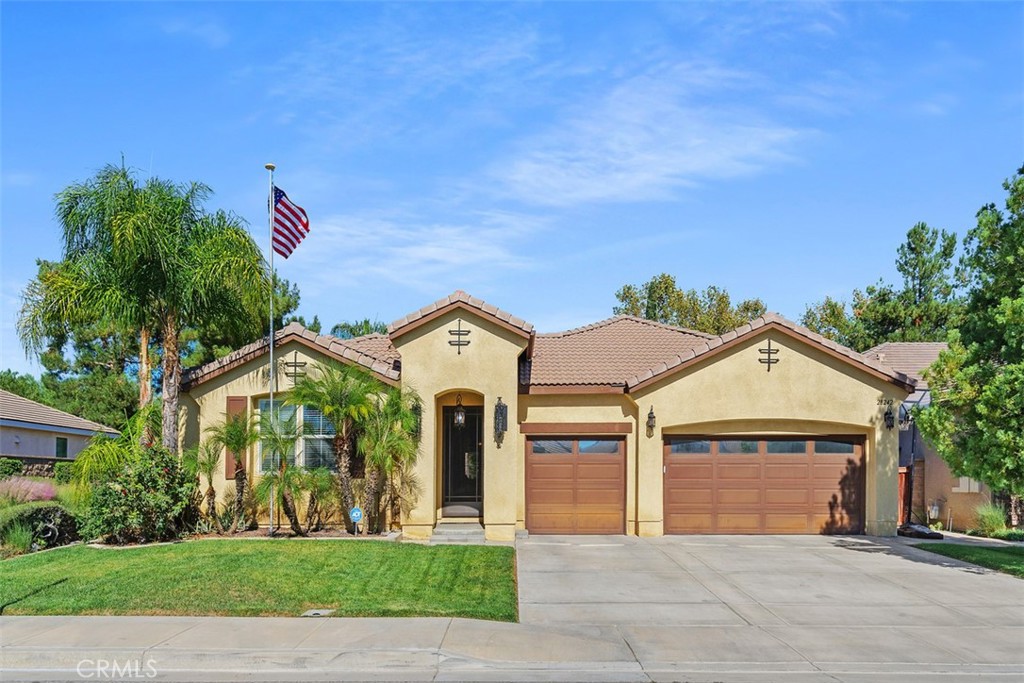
x,y
536,155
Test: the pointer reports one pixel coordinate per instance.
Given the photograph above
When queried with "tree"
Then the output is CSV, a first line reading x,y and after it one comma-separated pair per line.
x,y
148,258
924,309
282,482
235,435
710,310
344,394
99,279
389,442
204,459
976,417
25,385
358,328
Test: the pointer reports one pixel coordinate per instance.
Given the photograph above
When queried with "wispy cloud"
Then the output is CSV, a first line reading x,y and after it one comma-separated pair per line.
x,y
210,33
347,252
650,135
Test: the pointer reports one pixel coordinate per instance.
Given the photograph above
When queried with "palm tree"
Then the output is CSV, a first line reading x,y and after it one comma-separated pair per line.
x,y
148,258
204,460
98,280
105,457
389,442
344,394
278,438
320,483
236,434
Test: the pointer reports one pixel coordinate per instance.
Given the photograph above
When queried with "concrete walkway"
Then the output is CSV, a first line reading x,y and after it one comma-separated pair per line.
x,y
603,609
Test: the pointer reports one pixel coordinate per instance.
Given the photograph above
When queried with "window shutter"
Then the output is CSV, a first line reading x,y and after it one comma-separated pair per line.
x,y
235,406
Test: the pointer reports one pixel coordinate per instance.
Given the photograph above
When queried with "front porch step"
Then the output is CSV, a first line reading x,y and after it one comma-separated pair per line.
x,y
457,533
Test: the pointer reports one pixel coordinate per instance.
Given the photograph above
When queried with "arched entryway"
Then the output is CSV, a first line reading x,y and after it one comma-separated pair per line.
x,y
461,454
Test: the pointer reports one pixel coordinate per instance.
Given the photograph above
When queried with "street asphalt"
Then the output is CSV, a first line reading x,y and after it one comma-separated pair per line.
x,y
699,608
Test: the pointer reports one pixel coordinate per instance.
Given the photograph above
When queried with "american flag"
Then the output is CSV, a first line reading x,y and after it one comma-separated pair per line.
x,y
290,224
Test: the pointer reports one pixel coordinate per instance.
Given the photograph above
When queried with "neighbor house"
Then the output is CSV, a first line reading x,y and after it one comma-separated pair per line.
x,y
35,432
625,426
938,495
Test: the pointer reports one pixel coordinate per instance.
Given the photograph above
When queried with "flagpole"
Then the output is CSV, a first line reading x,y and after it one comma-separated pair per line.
x,y
273,282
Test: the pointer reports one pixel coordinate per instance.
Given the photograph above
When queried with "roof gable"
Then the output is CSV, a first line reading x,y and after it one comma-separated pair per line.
x,y
460,300
774,321
374,352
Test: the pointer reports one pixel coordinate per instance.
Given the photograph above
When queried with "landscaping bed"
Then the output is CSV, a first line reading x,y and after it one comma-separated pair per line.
x,y
1008,559
261,578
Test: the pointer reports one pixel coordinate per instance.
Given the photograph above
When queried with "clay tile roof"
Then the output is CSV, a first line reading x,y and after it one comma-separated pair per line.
x,y
14,407
707,346
604,353
373,352
910,358
460,298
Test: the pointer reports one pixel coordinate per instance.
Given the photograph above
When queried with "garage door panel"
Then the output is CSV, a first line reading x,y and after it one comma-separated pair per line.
x,y
787,497
786,523
786,471
730,471
559,496
739,496
738,522
781,486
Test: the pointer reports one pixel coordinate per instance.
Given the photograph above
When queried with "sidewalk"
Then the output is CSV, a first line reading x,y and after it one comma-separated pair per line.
x,y
295,649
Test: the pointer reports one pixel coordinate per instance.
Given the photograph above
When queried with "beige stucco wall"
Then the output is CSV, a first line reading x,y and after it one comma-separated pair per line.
x,y
808,392
485,370
23,441
206,404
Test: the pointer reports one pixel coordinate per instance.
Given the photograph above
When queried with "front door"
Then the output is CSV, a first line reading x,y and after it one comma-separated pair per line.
x,y
462,469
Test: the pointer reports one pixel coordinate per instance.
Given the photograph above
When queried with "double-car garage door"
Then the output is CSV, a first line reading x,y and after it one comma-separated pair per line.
x,y
712,485
763,485
576,485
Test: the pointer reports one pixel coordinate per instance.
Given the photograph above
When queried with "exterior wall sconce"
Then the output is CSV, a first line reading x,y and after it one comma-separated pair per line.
x,y
417,428
500,421
460,412
651,422
890,419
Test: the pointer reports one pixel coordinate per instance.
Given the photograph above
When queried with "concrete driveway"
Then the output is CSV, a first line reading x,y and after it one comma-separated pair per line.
x,y
789,607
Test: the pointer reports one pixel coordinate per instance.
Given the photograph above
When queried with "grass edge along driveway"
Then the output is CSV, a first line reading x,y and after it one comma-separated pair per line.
x,y
1007,559
265,578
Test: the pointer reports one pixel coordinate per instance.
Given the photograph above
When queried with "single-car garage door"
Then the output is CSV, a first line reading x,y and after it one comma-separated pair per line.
x,y
575,485
761,485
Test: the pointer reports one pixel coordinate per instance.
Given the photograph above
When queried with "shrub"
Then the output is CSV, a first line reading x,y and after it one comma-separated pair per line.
x,y
51,524
1009,535
989,519
63,472
17,538
151,499
9,467
24,490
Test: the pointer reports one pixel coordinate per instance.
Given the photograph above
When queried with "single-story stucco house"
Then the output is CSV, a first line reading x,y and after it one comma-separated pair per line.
x,y
32,431
938,495
625,426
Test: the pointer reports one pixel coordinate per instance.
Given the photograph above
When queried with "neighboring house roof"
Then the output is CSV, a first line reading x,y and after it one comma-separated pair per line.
x,y
910,358
460,299
20,409
606,353
373,352
772,320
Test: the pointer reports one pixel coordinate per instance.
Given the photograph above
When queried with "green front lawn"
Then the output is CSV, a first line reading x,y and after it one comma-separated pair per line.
x,y
265,578
1008,559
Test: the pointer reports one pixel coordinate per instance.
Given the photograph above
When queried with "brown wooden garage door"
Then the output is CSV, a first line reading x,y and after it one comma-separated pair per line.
x,y
575,485
758,485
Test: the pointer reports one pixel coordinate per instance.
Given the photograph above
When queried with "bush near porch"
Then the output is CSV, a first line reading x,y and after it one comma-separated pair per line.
x,y
265,578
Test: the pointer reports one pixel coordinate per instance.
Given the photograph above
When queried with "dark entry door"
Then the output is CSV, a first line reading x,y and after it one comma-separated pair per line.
x,y
463,466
